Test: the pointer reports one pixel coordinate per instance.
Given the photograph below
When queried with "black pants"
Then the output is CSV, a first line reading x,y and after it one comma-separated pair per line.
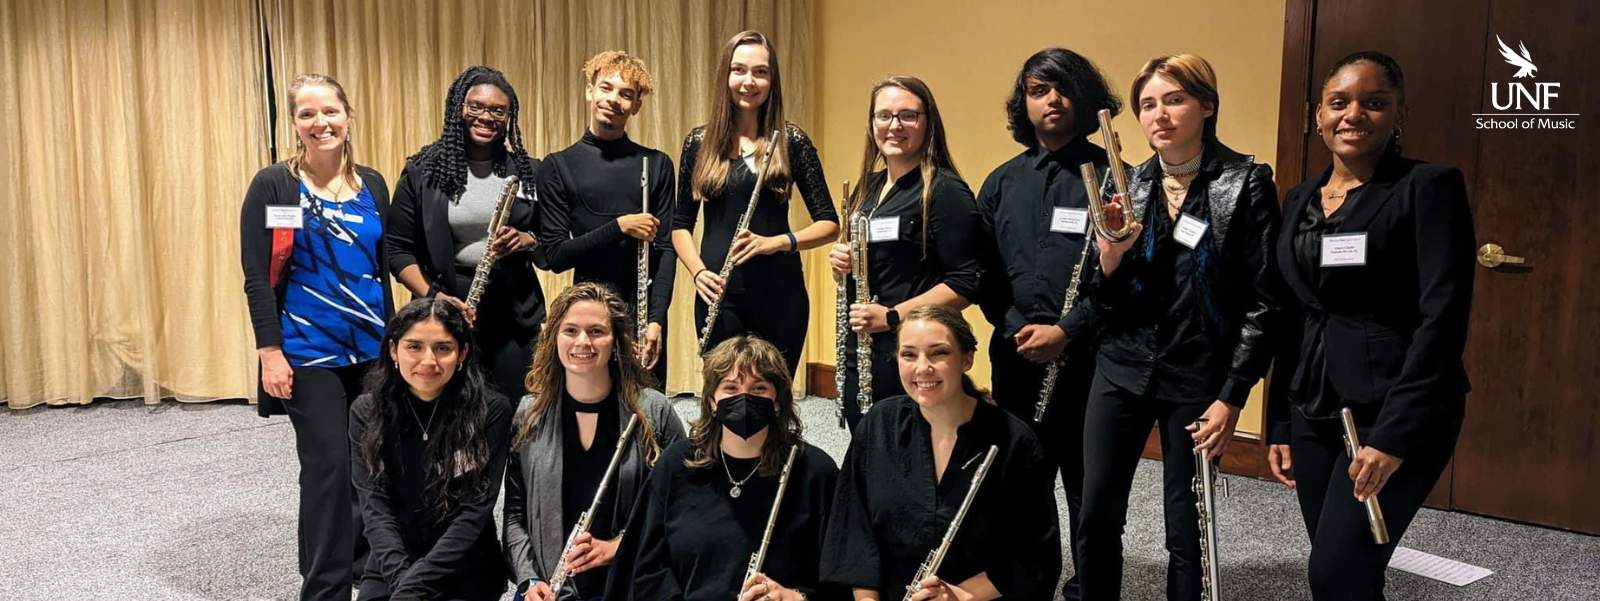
x,y
333,552
1345,564
1016,386
505,349
1116,425
885,375
778,313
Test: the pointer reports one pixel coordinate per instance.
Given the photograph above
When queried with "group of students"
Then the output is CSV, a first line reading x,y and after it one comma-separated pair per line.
x,y
1357,288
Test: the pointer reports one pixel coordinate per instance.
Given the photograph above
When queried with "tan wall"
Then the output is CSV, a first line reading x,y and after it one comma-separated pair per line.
x,y
969,53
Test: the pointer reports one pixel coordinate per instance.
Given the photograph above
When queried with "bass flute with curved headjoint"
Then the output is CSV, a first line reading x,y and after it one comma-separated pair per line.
x,y
930,566
641,295
1119,183
502,212
743,225
558,577
760,556
1206,481
841,314
1052,371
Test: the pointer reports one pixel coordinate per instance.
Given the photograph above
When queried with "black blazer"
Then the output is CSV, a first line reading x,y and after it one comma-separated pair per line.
x,y
1395,328
417,232
275,184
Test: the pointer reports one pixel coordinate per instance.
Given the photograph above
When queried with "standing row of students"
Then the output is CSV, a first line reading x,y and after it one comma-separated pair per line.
x,y
1171,327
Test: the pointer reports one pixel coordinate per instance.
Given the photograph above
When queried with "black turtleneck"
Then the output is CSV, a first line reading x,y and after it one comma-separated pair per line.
x,y
582,191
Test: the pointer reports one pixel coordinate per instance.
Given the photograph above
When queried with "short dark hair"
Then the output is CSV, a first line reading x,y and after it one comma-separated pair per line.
x,y
1076,78
1390,69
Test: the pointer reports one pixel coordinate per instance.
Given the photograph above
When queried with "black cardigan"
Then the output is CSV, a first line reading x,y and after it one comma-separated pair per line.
x,y
417,232
276,184
1395,328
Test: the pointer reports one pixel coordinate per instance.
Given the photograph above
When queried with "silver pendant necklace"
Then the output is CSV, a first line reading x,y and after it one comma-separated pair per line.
x,y
431,415
738,485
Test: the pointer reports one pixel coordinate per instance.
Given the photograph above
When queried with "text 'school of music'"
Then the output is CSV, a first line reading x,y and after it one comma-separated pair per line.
x,y
1122,297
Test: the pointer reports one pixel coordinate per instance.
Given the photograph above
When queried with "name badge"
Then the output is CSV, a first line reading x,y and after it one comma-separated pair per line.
x,y
1340,250
284,217
1069,221
883,229
1189,231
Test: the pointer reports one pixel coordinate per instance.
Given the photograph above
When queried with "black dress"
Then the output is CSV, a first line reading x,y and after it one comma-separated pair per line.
x,y
690,540
766,295
888,511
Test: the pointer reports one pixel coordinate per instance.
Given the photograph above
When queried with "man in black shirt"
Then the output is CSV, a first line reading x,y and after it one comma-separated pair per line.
x,y
1034,209
590,207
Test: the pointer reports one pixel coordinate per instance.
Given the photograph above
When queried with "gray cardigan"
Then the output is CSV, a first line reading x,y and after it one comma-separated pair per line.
x,y
533,535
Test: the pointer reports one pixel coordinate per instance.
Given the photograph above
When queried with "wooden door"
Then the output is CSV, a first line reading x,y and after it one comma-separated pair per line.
x,y
1529,449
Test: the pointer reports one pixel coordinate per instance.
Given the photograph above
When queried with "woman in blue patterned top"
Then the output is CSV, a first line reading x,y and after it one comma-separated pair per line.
x,y
311,247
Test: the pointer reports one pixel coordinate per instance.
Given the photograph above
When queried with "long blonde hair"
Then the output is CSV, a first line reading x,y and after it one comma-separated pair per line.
x,y
710,174
935,150
347,169
547,380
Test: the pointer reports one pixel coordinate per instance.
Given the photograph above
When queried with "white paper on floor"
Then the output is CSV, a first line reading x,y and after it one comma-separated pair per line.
x,y
1438,568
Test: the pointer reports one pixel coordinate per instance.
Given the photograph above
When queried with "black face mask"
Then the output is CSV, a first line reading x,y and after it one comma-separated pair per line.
x,y
745,414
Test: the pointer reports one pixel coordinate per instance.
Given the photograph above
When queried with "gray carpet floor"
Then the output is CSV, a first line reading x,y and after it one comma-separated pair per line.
x,y
124,501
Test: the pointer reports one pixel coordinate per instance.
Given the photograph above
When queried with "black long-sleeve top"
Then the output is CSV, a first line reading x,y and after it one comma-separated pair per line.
x,y
417,554
1028,262
417,232
688,540
1190,325
582,191
888,512
582,471
771,216
1385,338
904,266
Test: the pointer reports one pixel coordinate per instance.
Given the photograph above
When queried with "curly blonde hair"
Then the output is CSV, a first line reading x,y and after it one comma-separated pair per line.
x,y
630,67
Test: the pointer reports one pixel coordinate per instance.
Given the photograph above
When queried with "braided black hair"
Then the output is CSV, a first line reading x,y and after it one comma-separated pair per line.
x,y
443,164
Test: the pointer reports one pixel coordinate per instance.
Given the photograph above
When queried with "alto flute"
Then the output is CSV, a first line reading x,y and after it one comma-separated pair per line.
x,y
1204,485
1047,389
858,272
1352,445
502,212
841,315
641,295
930,566
744,224
760,556
558,578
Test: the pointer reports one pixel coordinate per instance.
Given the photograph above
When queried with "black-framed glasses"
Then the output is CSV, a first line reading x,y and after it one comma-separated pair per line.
x,y
905,117
476,110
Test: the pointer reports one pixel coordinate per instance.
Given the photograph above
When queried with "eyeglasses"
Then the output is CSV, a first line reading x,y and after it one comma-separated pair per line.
x,y
475,110
906,117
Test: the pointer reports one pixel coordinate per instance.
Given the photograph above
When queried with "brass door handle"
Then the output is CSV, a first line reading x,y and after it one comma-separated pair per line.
x,y
1492,255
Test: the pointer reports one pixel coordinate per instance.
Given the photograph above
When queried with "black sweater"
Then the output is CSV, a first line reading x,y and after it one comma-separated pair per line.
x,y
276,185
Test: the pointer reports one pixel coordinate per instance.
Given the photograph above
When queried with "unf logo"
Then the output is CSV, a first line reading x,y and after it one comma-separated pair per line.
x,y
1519,95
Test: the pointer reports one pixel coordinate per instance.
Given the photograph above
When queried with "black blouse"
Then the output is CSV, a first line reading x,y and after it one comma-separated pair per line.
x,y
689,540
771,216
582,470
889,513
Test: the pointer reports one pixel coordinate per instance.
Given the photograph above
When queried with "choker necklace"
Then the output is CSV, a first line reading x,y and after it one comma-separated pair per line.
x,y
431,415
1189,167
738,484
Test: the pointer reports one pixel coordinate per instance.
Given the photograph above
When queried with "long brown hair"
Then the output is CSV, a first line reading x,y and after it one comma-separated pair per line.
x,y
348,169
547,380
711,165
935,151
751,355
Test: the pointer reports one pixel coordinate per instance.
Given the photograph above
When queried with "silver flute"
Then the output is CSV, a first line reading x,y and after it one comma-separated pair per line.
x,y
760,556
502,212
1206,481
858,272
744,224
1052,371
841,315
930,566
1352,445
641,295
558,578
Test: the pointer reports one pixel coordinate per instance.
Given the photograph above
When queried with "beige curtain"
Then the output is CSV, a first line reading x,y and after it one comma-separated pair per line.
x,y
397,58
130,131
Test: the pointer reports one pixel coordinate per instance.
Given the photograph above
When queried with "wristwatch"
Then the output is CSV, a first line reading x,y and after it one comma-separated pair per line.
x,y
893,317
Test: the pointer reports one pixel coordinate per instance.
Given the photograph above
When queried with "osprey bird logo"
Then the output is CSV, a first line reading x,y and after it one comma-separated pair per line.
x,y
1523,62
